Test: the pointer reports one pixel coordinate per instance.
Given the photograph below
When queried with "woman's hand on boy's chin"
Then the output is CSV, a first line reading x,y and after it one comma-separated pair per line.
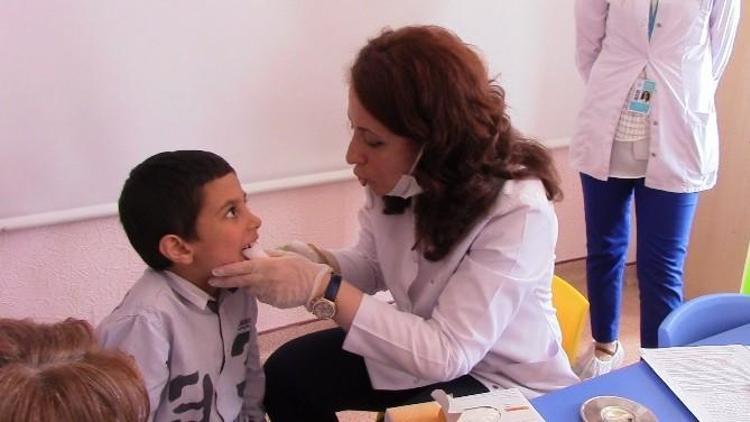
x,y
282,280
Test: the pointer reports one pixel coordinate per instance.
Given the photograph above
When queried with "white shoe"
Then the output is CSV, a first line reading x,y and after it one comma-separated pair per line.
x,y
593,366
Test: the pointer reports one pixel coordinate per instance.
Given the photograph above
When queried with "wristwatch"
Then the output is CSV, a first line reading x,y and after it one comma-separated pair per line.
x,y
325,307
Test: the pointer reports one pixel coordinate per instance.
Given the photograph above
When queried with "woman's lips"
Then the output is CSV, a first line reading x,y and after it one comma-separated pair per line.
x,y
362,180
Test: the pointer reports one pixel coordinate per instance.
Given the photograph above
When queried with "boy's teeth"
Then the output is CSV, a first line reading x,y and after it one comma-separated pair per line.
x,y
254,251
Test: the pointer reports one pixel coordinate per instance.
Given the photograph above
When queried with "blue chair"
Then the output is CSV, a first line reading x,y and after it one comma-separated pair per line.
x,y
704,316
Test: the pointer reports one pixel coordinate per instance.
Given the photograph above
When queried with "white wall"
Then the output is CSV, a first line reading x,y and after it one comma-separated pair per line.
x,y
89,88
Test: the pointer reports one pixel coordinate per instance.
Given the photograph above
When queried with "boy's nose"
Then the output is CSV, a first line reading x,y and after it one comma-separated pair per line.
x,y
255,221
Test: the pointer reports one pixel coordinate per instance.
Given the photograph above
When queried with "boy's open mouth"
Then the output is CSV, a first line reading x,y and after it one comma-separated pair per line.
x,y
253,251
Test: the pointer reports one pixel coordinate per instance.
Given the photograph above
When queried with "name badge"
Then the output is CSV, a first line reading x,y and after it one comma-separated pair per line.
x,y
640,102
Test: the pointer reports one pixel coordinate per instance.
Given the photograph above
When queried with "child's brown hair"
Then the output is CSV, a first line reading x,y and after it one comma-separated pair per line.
x,y
57,372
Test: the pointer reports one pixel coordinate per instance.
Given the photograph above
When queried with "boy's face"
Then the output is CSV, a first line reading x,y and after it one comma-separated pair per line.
x,y
224,227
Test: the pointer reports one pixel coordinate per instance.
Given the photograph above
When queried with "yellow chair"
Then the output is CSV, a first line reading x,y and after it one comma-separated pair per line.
x,y
572,309
745,287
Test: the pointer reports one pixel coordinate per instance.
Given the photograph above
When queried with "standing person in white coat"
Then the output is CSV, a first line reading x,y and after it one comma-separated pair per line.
x,y
457,225
647,130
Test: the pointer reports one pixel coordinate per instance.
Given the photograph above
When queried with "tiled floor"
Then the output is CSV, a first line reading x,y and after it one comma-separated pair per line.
x,y
574,272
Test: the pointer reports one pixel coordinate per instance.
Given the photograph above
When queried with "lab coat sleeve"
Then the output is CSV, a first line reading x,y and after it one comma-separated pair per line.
x,y
591,18
142,337
359,263
505,263
725,17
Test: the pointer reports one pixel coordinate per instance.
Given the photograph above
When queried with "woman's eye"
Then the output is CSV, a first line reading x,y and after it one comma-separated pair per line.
x,y
367,137
372,141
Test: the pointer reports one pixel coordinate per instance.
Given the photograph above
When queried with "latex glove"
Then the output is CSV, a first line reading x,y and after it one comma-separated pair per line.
x,y
301,248
282,281
313,253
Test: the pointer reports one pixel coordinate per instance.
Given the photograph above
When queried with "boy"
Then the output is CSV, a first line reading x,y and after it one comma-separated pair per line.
x,y
184,212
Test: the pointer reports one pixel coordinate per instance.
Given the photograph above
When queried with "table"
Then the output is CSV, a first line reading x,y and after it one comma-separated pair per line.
x,y
636,382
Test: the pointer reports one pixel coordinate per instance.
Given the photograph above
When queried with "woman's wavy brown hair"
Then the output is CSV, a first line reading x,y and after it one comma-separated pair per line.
x,y
56,372
425,84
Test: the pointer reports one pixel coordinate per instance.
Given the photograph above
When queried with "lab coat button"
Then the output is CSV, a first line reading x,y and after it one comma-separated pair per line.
x,y
656,123
653,154
658,25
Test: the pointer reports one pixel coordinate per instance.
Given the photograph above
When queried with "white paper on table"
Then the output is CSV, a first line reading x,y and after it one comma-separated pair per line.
x,y
713,382
511,404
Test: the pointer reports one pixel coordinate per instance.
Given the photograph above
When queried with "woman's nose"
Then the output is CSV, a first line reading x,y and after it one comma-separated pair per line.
x,y
353,154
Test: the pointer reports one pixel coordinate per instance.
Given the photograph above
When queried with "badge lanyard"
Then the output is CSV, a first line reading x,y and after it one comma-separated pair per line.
x,y
640,100
653,8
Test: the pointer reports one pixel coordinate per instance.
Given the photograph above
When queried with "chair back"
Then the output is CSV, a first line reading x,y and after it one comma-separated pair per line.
x,y
572,309
704,316
745,287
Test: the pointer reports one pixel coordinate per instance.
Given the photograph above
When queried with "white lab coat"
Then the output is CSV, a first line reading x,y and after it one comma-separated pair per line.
x,y
484,309
689,49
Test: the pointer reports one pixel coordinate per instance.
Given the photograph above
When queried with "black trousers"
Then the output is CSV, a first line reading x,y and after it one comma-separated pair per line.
x,y
312,377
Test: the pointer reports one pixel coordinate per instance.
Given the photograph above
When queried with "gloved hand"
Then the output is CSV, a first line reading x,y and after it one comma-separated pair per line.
x,y
301,248
281,280
313,253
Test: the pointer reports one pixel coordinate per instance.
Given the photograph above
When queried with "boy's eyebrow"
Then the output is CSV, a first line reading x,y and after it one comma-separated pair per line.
x,y
232,202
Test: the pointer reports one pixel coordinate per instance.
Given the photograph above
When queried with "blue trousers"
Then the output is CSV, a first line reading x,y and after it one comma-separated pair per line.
x,y
663,223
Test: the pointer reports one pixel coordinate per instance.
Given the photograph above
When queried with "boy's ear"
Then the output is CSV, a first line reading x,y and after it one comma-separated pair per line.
x,y
176,249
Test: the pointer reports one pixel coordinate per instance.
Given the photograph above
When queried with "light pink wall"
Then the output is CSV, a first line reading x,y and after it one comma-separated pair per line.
x,y
83,269
571,240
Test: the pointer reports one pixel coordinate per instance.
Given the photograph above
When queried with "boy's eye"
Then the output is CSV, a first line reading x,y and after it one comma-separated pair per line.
x,y
232,212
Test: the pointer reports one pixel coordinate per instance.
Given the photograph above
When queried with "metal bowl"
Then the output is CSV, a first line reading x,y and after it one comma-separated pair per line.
x,y
615,409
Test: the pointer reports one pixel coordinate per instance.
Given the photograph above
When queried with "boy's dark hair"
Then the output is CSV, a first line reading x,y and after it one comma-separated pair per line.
x,y
163,196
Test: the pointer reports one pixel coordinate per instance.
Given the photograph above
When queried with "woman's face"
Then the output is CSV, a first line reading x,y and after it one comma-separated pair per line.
x,y
378,155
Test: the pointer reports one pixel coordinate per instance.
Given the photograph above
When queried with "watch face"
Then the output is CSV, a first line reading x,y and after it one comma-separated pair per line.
x,y
324,308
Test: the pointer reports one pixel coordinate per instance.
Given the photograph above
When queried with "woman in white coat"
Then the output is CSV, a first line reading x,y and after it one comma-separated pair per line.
x,y
647,130
457,225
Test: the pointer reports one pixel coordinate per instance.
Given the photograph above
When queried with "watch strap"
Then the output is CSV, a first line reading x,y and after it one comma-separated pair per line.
x,y
333,287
